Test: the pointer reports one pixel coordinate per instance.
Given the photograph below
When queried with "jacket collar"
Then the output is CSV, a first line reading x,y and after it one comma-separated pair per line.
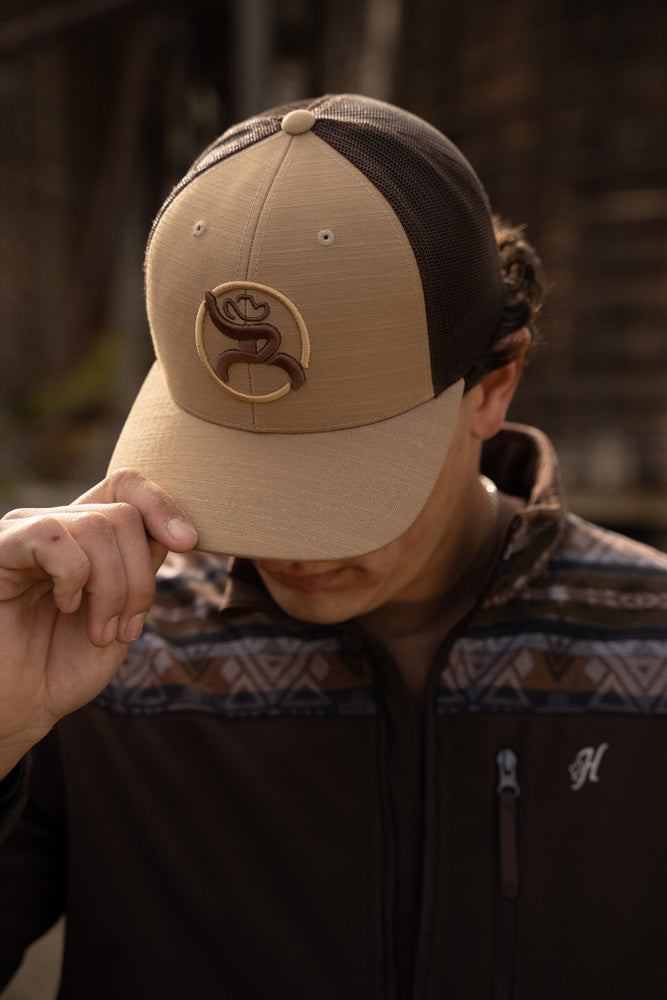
x,y
522,462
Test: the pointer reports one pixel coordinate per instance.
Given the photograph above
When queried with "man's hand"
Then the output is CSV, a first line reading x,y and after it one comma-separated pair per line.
x,y
75,585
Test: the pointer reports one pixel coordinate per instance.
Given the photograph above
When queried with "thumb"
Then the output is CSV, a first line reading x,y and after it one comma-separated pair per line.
x,y
164,520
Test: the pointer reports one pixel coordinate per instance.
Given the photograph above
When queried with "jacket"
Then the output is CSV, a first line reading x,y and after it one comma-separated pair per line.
x,y
252,807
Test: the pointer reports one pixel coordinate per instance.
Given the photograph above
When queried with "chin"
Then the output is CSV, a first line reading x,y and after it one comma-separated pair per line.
x,y
313,611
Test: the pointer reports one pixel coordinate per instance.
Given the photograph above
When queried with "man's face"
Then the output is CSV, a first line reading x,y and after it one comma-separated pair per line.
x,y
420,564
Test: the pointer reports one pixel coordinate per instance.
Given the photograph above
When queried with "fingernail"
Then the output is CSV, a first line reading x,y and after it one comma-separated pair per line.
x,y
181,531
110,631
134,627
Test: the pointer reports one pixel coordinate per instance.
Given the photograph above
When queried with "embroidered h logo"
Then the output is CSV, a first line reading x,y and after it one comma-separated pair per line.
x,y
585,765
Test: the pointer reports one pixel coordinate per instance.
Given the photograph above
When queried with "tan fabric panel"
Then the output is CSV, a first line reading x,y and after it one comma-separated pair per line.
x,y
323,238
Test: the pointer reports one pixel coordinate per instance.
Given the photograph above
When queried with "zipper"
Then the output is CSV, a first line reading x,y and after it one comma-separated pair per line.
x,y
507,793
424,943
388,991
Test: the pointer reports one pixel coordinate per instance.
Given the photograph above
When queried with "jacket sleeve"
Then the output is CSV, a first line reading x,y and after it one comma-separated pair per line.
x,y
32,853
13,795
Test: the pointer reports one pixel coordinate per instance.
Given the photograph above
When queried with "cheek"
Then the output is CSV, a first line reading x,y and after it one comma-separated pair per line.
x,y
386,570
400,555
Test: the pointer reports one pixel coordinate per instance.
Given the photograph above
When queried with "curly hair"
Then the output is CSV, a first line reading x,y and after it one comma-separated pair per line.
x,y
524,280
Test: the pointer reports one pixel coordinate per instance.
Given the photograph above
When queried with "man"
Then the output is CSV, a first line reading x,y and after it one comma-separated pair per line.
x,y
408,743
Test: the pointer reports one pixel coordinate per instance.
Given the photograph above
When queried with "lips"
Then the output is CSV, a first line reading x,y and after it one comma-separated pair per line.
x,y
304,582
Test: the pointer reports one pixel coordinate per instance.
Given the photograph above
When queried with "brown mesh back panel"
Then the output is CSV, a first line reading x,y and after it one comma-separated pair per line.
x,y
438,200
444,212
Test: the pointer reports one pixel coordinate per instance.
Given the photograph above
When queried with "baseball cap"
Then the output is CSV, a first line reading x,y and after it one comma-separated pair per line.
x,y
317,286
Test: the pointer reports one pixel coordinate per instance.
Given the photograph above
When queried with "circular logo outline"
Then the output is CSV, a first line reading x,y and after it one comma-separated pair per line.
x,y
230,286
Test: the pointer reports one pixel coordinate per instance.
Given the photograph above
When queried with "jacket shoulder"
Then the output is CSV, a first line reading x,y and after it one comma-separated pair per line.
x,y
585,632
587,547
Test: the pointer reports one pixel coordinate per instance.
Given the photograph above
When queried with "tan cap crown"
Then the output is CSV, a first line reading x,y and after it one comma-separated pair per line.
x,y
316,254
316,287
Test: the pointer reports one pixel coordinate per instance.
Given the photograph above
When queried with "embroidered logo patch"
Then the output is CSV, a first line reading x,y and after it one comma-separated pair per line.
x,y
253,341
585,765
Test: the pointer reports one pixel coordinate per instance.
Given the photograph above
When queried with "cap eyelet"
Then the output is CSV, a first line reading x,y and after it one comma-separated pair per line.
x,y
326,238
200,228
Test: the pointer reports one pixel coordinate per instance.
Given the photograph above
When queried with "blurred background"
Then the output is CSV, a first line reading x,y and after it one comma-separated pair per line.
x,y
561,106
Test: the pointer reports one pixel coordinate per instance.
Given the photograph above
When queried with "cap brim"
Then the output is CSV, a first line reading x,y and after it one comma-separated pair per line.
x,y
319,496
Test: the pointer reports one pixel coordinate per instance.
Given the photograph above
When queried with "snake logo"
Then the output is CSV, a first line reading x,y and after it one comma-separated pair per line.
x,y
233,323
240,311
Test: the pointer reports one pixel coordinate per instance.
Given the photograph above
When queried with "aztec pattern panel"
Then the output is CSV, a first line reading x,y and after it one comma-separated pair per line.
x,y
557,647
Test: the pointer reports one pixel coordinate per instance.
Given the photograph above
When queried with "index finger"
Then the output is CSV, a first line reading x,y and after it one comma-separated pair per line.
x,y
164,520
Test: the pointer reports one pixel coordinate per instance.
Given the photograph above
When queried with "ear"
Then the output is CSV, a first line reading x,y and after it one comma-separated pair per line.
x,y
495,390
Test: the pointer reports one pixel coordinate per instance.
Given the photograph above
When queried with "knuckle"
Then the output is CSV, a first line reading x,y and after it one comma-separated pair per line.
x,y
79,567
127,516
128,482
115,587
124,478
21,513
47,529
50,532
49,526
35,530
96,523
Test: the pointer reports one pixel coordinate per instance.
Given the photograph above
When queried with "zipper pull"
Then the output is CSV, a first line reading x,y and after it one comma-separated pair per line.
x,y
508,790
507,762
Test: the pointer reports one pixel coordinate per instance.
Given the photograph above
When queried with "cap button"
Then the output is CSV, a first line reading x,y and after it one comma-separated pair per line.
x,y
298,121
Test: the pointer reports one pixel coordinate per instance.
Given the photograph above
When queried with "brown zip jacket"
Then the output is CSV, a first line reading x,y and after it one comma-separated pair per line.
x,y
251,808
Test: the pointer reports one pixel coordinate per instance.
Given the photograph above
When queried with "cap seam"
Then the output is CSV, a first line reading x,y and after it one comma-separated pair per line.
x,y
273,193
255,199
401,236
200,167
368,189
302,430
248,241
